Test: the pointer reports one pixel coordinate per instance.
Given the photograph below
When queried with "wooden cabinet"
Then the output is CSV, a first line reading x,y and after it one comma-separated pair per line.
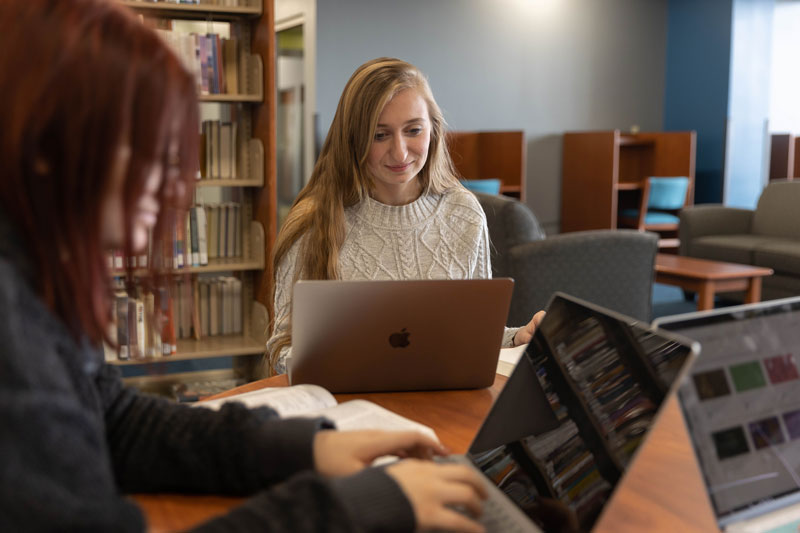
x,y
782,161
491,155
602,172
252,108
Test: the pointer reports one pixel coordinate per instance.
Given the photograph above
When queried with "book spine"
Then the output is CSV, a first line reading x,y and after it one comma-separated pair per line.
x,y
202,234
212,212
213,307
141,334
187,243
122,327
195,237
230,241
168,339
133,337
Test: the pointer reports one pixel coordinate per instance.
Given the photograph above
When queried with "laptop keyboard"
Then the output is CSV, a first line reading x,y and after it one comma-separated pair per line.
x,y
494,517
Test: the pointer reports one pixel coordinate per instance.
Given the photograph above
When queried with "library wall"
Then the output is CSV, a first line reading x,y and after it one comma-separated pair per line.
x,y
541,66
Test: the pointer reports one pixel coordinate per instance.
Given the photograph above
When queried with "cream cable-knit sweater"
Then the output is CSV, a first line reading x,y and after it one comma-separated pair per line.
x,y
435,237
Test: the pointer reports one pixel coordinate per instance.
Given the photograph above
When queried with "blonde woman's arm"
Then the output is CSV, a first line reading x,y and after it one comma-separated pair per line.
x,y
284,281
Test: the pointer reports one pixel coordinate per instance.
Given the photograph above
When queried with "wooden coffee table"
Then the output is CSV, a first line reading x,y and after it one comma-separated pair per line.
x,y
707,278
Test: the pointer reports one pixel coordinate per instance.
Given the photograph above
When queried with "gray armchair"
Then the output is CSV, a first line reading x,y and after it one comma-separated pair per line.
x,y
612,268
768,236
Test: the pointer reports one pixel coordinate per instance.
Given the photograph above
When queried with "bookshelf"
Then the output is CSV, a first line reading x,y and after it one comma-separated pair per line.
x,y
491,155
603,172
251,110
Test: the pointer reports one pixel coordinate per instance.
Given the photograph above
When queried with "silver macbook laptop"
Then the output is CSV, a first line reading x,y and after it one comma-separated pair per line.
x,y
574,412
742,408
365,336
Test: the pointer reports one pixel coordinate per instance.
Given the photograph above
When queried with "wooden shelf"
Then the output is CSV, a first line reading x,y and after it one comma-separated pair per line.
x,y
190,349
229,183
162,383
230,98
625,140
195,11
222,264
602,170
491,155
252,21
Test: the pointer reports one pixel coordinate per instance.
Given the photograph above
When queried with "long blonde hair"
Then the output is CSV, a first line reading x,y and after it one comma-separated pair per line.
x,y
340,178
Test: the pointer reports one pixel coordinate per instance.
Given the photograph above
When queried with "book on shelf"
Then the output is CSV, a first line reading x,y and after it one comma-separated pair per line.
x,y
202,234
314,401
212,59
212,237
121,304
193,229
218,155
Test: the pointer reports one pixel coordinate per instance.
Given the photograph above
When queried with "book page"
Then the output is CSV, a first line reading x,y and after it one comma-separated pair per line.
x,y
287,401
508,359
363,414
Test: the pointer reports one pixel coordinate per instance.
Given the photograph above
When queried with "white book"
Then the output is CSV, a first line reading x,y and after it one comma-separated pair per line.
x,y
187,242
202,234
313,401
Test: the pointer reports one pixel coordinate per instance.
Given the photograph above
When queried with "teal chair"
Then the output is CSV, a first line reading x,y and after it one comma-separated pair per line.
x,y
487,186
661,201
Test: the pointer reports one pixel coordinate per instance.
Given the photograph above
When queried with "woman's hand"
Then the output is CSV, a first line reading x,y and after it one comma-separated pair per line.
x,y
525,333
341,453
433,489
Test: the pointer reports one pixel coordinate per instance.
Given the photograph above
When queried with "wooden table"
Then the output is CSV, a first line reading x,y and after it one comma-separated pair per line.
x,y
663,490
707,278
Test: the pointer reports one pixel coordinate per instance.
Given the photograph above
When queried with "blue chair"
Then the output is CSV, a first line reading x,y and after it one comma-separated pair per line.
x,y
486,186
661,201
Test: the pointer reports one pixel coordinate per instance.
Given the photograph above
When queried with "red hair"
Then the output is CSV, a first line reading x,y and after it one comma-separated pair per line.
x,y
78,79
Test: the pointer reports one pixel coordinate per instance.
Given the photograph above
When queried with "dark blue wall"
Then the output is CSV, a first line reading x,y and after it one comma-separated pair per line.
x,y
696,88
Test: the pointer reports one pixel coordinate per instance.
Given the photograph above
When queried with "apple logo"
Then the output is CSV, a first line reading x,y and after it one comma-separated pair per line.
x,y
400,339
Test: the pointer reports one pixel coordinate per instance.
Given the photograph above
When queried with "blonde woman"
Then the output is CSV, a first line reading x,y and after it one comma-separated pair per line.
x,y
383,201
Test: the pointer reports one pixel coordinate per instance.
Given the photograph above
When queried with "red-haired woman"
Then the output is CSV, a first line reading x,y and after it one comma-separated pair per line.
x,y
99,147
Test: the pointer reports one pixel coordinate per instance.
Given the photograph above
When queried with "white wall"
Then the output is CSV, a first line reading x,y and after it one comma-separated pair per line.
x,y
785,81
543,66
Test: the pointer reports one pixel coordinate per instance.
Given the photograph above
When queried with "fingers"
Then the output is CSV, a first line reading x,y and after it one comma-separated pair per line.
x,y
434,490
465,496
404,444
466,476
450,520
538,317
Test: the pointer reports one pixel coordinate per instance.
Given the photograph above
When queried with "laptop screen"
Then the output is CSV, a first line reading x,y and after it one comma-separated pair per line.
x,y
742,404
575,410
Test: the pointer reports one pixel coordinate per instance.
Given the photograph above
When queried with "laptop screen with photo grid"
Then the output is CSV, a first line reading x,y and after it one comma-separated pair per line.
x,y
742,403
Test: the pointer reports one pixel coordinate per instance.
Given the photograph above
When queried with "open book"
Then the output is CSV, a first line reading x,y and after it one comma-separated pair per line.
x,y
313,401
509,357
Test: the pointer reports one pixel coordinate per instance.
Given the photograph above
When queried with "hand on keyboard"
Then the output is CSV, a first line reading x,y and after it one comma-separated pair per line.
x,y
433,489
